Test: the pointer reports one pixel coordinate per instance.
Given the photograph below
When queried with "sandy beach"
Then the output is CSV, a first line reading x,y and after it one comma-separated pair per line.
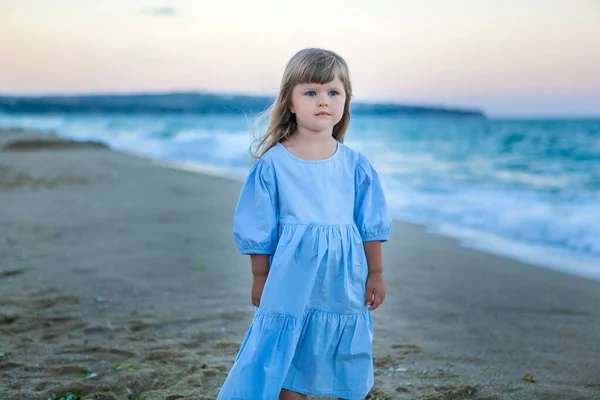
x,y
119,279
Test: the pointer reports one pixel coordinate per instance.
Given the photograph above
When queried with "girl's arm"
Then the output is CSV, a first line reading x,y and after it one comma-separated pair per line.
x,y
374,257
260,270
260,264
375,291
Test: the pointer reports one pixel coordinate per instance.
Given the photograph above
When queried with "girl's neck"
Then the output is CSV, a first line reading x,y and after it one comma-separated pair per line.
x,y
311,137
311,146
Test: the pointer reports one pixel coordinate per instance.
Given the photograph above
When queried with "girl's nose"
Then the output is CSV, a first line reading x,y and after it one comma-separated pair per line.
x,y
323,101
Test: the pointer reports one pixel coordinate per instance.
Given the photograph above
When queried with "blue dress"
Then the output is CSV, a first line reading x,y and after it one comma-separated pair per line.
x,y
313,332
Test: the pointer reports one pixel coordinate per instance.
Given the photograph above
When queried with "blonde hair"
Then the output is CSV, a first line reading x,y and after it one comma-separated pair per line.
x,y
310,65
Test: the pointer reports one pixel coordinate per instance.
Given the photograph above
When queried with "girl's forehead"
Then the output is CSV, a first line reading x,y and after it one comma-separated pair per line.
x,y
335,82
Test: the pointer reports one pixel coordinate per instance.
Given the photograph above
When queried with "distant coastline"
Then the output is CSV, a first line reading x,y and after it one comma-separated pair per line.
x,y
196,103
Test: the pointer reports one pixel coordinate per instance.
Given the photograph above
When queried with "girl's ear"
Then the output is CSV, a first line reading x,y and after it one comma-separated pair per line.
x,y
292,109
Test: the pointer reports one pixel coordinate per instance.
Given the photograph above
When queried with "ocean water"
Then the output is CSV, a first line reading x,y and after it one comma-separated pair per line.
x,y
525,189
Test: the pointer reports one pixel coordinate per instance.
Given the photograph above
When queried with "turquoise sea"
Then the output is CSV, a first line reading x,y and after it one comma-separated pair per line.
x,y
526,189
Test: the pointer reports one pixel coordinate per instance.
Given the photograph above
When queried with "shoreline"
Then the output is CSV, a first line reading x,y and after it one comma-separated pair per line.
x,y
120,280
542,256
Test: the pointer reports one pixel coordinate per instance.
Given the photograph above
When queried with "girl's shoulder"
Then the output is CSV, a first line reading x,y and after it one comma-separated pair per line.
x,y
358,159
267,161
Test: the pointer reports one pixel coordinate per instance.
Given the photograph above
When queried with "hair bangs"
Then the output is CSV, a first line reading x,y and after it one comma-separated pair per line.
x,y
320,69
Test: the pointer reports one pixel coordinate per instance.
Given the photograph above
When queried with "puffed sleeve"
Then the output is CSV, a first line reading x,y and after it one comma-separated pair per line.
x,y
255,217
371,212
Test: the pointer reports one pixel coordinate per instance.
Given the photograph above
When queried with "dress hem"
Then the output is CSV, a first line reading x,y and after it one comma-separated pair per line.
x,y
325,394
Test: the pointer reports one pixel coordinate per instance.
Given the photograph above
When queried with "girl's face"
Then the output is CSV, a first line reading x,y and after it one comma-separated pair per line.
x,y
318,107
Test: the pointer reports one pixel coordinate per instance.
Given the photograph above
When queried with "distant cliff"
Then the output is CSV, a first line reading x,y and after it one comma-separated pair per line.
x,y
197,103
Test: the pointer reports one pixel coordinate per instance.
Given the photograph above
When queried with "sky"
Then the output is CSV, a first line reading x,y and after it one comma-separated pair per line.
x,y
507,58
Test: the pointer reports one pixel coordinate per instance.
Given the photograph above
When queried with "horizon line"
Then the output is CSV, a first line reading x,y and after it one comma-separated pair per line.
x,y
256,95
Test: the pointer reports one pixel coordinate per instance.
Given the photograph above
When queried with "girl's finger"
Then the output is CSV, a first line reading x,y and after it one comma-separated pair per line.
x,y
376,303
369,297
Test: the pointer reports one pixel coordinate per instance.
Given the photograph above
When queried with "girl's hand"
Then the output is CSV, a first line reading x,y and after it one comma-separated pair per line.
x,y
375,291
258,284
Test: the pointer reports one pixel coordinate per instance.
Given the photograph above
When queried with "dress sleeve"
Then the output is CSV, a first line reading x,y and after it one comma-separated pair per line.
x,y
255,217
371,212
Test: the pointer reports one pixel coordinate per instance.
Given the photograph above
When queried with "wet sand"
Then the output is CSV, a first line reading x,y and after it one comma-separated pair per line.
x,y
119,279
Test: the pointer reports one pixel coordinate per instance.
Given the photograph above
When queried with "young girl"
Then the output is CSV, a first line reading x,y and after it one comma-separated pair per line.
x,y
312,215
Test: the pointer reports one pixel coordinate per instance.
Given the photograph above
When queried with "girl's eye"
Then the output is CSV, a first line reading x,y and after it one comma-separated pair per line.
x,y
311,93
333,93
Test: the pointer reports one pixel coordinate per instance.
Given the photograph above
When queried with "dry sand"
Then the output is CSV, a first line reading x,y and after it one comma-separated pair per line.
x,y
119,279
